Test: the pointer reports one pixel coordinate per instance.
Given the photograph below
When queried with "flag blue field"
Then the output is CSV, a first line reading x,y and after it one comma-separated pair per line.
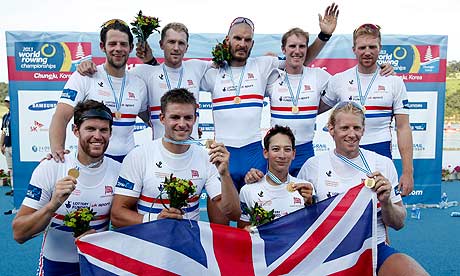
x,y
336,236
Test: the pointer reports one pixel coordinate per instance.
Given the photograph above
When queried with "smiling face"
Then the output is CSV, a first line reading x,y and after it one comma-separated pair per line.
x,y
367,49
295,51
347,132
178,120
116,49
174,45
93,139
280,153
240,39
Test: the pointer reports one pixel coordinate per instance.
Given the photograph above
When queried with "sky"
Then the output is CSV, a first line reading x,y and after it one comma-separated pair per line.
x,y
409,17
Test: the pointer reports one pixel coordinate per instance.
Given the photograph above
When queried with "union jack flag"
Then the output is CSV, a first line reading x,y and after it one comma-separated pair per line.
x,y
333,237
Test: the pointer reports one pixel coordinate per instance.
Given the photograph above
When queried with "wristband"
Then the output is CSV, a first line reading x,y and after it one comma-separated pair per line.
x,y
149,217
324,37
153,61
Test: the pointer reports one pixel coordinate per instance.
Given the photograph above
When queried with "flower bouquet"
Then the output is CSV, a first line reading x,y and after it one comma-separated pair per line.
x,y
144,26
79,220
6,178
221,54
178,190
258,215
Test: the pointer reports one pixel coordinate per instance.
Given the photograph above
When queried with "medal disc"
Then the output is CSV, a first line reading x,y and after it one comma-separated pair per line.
x,y
208,143
295,109
369,182
237,100
73,172
118,114
290,187
364,109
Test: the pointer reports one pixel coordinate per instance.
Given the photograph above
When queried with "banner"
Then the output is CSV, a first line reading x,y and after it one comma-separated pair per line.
x,y
337,236
39,64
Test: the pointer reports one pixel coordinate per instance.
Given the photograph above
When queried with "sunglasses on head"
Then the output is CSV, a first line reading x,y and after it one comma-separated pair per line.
x,y
240,20
371,26
345,103
113,21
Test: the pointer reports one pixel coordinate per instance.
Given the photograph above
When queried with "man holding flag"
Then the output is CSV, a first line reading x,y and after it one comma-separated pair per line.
x,y
340,169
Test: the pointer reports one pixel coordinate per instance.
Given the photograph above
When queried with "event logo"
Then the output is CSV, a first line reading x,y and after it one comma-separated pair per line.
x,y
44,105
36,126
139,126
50,56
422,59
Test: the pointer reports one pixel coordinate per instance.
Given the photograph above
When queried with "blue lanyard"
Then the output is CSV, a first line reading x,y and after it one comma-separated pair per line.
x,y
362,98
366,169
276,179
238,88
299,86
122,90
168,83
185,142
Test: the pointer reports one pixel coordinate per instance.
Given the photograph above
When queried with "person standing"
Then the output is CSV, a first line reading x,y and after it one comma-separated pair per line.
x,y
124,93
383,98
5,142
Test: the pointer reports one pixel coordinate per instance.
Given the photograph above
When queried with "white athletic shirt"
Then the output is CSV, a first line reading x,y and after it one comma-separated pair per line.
x,y
156,81
331,176
271,197
146,166
387,96
79,88
237,125
302,123
94,189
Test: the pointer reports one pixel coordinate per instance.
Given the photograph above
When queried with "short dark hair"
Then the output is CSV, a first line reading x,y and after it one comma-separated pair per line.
x,y
178,95
91,109
116,24
277,129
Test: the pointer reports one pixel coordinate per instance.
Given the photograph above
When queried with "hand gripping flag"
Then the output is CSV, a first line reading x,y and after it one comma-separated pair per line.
x,y
336,236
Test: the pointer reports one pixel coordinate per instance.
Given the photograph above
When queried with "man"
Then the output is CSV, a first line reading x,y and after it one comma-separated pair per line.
x,y
295,95
124,93
5,142
347,165
137,193
238,93
173,73
278,190
55,190
382,97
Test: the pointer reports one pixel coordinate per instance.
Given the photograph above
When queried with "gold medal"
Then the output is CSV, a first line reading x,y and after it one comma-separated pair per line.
x,y
118,114
369,182
208,143
73,172
295,109
364,110
290,187
237,100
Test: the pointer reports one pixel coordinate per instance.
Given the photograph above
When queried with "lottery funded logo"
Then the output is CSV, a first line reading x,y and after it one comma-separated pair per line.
x,y
417,59
50,56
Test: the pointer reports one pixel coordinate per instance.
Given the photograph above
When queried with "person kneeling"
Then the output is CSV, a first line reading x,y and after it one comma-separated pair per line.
x,y
277,190
347,165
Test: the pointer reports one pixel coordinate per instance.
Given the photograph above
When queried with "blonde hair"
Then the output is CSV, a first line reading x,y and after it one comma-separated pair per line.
x,y
367,29
346,107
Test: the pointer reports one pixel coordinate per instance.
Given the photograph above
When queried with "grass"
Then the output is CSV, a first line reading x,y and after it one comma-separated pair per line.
x,y
452,85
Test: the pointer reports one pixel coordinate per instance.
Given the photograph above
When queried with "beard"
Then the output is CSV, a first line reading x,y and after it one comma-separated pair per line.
x,y
238,58
120,65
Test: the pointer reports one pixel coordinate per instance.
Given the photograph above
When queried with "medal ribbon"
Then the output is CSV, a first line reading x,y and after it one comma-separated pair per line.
x,y
185,142
366,169
296,99
362,99
89,166
275,178
168,83
122,90
238,88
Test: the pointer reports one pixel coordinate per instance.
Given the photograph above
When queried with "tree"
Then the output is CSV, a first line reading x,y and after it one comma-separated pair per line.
x,y
3,90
